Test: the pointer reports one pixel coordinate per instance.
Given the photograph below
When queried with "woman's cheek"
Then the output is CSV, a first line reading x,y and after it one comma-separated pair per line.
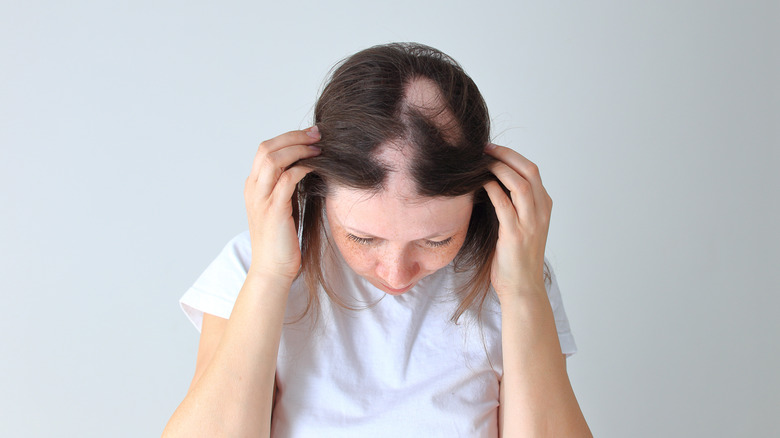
x,y
355,254
441,257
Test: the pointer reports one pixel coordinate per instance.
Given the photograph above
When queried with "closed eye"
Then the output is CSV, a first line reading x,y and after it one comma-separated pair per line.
x,y
434,244
360,240
369,240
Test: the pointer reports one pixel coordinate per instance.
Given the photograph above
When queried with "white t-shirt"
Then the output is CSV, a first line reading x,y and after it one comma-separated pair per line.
x,y
397,368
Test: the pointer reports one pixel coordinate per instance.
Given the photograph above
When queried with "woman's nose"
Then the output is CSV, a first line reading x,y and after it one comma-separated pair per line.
x,y
397,268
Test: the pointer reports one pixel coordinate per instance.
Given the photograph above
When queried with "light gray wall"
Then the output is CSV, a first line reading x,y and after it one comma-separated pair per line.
x,y
127,129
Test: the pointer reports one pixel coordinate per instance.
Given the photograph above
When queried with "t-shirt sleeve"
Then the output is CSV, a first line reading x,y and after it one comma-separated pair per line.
x,y
568,346
217,288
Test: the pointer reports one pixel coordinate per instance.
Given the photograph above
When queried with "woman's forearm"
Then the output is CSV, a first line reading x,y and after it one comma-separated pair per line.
x,y
537,399
234,396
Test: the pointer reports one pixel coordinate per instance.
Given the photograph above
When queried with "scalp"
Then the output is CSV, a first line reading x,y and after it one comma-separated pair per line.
x,y
422,96
422,100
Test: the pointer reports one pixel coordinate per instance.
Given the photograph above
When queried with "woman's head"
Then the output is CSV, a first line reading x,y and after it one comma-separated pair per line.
x,y
400,176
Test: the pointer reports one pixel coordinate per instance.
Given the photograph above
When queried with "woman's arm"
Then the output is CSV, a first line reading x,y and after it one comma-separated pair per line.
x,y
536,398
234,395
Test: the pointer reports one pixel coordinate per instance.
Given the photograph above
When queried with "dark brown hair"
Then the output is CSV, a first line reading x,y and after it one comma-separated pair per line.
x,y
365,107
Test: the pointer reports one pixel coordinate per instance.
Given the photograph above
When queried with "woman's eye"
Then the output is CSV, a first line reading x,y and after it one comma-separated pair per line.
x,y
440,243
360,240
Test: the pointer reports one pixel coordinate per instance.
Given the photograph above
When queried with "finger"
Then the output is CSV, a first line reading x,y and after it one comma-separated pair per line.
x,y
520,190
505,210
512,158
305,136
525,167
275,163
287,183
301,137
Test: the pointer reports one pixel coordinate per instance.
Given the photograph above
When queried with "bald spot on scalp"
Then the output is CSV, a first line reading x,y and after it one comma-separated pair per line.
x,y
424,96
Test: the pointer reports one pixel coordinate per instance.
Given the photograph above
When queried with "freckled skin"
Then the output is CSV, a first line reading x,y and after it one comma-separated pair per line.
x,y
400,229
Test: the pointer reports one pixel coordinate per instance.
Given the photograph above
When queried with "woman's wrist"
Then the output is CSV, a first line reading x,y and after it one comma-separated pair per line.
x,y
520,295
268,280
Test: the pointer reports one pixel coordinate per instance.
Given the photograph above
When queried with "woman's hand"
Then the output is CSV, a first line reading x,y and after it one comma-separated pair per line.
x,y
536,398
268,193
524,219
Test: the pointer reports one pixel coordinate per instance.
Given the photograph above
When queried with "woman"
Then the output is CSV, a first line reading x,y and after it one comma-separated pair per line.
x,y
391,206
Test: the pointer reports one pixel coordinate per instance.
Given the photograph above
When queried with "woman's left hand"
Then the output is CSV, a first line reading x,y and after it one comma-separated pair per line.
x,y
524,219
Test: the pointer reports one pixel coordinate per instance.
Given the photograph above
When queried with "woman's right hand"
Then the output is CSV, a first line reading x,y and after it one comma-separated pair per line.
x,y
268,195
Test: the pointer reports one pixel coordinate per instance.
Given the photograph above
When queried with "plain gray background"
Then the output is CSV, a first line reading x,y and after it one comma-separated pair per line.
x,y
127,130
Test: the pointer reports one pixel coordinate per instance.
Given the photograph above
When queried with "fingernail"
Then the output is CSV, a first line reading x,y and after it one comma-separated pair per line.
x,y
315,149
490,146
313,132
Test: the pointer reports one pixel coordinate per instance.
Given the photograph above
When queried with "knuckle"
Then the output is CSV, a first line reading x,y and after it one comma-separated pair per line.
x,y
268,160
523,187
261,155
285,178
504,203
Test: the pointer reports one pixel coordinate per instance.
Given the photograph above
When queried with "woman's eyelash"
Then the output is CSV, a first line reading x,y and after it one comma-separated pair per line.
x,y
440,243
360,240
368,241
